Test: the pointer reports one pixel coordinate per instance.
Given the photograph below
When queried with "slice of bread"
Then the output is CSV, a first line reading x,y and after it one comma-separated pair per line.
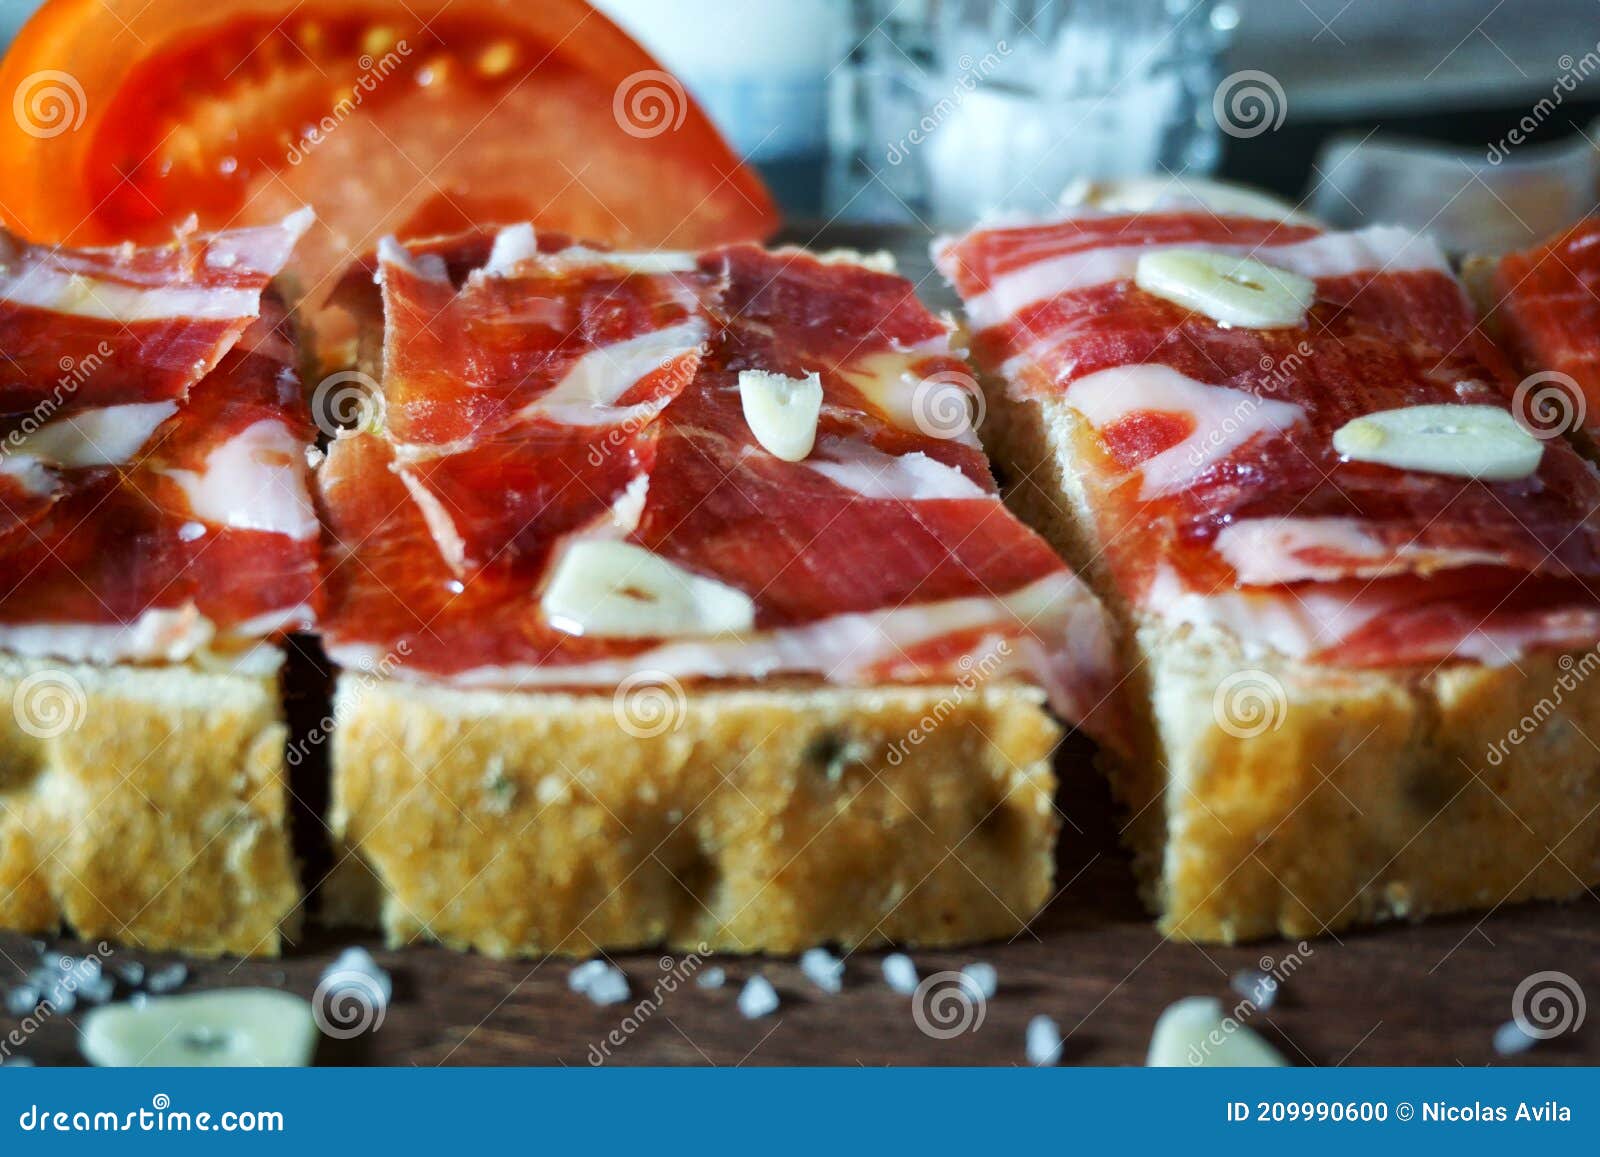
x,y
1271,796
765,819
145,805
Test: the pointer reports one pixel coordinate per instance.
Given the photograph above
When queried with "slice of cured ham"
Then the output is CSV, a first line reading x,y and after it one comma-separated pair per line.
x,y
176,519
1207,450
884,555
1547,304
520,403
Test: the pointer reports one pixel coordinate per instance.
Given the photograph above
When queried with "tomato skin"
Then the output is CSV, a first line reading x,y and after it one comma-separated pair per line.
x,y
138,113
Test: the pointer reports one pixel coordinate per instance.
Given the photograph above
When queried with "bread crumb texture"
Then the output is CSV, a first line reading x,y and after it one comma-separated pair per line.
x,y
758,820
144,806
1271,797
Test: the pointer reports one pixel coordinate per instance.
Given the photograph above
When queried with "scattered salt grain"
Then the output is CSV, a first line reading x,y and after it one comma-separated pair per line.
x,y
601,982
355,969
16,1063
757,998
984,978
712,978
22,1000
190,531
823,969
167,978
132,973
1259,988
1044,1041
899,973
610,987
581,977
1511,1039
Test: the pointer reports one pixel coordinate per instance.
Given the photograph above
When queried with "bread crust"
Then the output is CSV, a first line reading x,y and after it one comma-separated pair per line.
x,y
750,820
1359,795
145,805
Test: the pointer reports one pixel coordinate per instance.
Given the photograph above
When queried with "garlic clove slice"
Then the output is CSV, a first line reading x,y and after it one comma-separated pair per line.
x,y
1195,1033
1468,441
782,412
1228,288
609,589
227,1027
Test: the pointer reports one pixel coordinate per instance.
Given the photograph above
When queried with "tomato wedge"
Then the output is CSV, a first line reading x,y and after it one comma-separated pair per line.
x,y
389,116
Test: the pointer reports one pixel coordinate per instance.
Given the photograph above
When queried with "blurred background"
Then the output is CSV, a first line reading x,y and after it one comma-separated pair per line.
x,y
1468,116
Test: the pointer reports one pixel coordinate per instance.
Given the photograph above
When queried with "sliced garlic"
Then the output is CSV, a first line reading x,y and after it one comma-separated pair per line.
x,y
1469,441
782,412
1195,1033
1227,287
617,590
230,1027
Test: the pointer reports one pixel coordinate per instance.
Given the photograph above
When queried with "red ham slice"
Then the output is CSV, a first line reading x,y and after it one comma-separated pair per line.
x,y
1547,304
1210,453
173,515
884,555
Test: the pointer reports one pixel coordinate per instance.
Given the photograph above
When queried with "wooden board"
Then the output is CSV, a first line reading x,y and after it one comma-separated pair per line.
x,y
1430,994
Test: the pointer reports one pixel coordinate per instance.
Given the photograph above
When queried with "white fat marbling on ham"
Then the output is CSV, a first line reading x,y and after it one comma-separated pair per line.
x,y
871,473
1265,551
859,648
1381,248
512,246
911,402
42,280
588,393
441,526
108,436
1224,418
1290,623
254,481
164,635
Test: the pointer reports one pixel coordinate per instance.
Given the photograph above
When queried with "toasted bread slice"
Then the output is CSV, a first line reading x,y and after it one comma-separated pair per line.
x,y
1271,796
768,819
145,805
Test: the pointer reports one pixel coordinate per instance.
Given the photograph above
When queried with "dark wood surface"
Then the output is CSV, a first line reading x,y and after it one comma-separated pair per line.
x,y
1429,994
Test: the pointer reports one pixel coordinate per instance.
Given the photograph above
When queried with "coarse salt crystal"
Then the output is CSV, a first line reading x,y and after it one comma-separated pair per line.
x,y
984,978
823,969
712,978
1044,1041
354,966
1259,988
581,977
167,978
22,1000
758,998
1511,1039
601,982
900,973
